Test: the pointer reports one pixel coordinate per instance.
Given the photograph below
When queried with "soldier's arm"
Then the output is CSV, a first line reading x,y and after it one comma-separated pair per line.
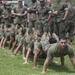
x,y
72,57
45,65
49,15
73,61
28,17
23,14
66,12
48,59
62,61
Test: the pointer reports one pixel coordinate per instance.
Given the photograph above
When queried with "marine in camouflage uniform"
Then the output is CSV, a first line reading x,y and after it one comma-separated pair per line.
x,y
59,50
1,10
32,46
62,11
43,12
32,14
18,41
53,18
6,15
70,22
13,33
20,13
42,48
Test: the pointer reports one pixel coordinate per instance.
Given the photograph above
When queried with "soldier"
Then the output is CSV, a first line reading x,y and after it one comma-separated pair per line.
x,y
20,12
1,10
53,18
32,14
43,17
70,21
6,36
7,15
32,46
18,40
59,49
62,11
13,33
26,40
42,47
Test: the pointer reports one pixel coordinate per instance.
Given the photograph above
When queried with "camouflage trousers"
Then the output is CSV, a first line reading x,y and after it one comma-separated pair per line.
x,y
42,26
70,30
61,28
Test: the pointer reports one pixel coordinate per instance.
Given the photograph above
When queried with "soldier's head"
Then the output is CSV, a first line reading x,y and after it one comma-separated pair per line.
x,y
7,5
33,1
68,2
62,42
20,2
42,2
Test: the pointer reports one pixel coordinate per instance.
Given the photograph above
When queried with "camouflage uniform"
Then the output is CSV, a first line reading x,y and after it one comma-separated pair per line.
x,y
54,51
70,23
60,24
1,10
32,15
26,40
19,19
7,15
43,13
44,44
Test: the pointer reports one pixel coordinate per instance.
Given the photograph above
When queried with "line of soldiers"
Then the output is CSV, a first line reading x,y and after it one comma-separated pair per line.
x,y
35,27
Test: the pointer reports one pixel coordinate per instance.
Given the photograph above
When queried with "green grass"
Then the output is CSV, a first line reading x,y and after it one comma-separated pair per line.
x,y
13,65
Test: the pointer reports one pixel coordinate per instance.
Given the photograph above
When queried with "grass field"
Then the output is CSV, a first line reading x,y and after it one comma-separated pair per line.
x,y
14,65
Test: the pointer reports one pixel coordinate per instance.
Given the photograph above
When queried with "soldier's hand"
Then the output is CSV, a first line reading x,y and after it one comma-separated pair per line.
x,y
63,18
19,14
28,20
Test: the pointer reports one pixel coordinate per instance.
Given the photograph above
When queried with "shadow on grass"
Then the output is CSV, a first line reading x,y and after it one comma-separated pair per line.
x,y
55,67
58,68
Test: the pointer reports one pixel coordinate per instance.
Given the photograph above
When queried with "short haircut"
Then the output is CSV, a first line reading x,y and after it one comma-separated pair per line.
x,y
63,37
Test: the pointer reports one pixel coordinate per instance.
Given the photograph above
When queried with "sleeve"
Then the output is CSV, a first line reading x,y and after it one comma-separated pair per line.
x,y
71,53
50,53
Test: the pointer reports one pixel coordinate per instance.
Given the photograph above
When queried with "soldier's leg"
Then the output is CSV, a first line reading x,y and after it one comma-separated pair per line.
x,y
46,27
13,47
62,31
10,42
18,47
1,43
20,40
56,28
24,52
4,43
27,55
30,25
71,35
37,52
